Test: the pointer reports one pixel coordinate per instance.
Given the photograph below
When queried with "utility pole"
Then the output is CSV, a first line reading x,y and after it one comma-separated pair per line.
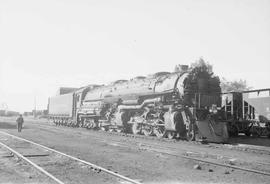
x,y
35,108
5,108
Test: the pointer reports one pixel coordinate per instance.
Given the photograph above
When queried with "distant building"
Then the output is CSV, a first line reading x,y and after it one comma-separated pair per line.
x,y
2,112
28,113
65,90
8,113
38,113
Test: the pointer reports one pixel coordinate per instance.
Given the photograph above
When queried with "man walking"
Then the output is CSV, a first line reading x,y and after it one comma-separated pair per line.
x,y
19,121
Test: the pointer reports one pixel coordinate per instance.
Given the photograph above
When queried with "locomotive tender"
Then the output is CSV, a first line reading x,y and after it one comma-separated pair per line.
x,y
163,104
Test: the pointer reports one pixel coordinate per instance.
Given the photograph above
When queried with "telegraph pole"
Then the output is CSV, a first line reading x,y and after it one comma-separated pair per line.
x,y
35,108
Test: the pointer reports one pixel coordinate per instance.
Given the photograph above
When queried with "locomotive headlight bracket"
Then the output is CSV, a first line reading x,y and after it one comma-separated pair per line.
x,y
213,109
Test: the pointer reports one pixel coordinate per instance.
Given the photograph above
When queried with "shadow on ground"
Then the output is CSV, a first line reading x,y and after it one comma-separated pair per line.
x,y
256,141
4,125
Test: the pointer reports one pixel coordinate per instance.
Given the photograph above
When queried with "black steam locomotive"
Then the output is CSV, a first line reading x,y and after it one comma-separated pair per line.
x,y
178,104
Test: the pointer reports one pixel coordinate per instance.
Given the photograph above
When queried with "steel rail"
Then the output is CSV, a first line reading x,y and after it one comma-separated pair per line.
x,y
200,160
210,162
77,159
192,158
32,163
226,165
197,159
121,134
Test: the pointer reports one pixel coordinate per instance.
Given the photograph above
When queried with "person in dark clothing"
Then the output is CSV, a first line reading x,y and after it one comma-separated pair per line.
x,y
19,121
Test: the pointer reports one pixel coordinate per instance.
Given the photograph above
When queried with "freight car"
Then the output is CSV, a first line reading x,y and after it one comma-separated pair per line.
x,y
247,112
163,104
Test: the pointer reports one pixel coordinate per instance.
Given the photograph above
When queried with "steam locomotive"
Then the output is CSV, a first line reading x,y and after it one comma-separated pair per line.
x,y
179,104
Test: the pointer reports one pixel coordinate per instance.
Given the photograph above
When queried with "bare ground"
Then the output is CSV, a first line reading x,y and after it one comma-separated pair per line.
x,y
15,170
157,163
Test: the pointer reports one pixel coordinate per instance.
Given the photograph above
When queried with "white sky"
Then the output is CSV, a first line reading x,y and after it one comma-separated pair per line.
x,y
53,43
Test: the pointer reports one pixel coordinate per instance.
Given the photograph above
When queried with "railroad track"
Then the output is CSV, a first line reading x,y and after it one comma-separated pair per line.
x,y
213,159
244,148
191,155
209,158
57,165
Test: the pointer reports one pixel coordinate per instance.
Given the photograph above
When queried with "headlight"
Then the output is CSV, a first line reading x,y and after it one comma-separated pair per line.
x,y
213,109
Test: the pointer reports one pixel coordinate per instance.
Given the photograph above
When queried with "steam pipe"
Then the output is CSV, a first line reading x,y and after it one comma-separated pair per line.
x,y
153,100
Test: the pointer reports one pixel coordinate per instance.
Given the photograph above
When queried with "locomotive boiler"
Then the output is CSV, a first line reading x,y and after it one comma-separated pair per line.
x,y
163,104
